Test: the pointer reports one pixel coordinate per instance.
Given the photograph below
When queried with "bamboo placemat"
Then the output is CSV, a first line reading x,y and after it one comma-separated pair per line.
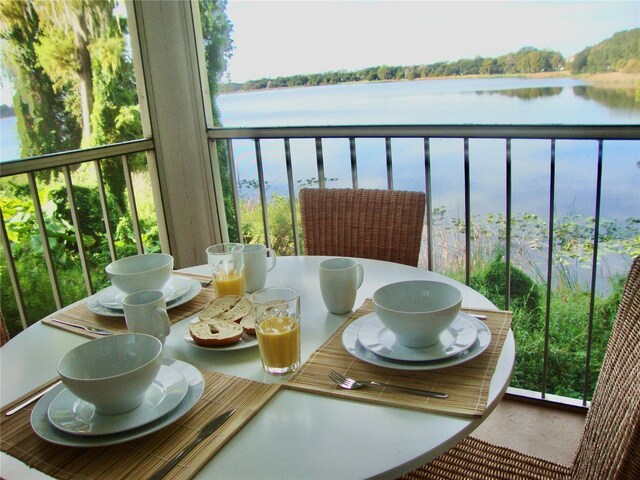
x,y
81,315
142,457
466,384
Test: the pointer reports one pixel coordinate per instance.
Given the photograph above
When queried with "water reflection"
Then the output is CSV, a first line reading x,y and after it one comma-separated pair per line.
x,y
614,98
623,99
525,93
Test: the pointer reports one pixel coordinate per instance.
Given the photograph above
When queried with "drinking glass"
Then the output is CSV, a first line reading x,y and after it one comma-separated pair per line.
x,y
227,268
277,314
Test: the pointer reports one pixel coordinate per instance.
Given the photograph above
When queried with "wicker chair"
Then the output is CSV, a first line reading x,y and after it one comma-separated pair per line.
x,y
379,224
4,333
610,444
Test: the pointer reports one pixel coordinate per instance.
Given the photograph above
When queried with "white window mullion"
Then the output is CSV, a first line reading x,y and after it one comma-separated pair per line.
x,y
165,43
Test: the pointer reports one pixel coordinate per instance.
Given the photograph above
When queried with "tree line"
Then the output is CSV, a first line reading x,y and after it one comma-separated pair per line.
x,y
526,60
619,53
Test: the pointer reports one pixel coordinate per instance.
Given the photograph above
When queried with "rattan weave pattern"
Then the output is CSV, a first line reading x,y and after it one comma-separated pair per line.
x,y
377,224
612,427
610,445
475,459
4,333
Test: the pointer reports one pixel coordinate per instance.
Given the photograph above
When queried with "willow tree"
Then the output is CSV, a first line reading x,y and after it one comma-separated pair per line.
x,y
74,80
69,31
45,125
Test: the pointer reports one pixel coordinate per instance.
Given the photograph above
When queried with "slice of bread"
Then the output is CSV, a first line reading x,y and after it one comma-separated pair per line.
x,y
218,306
240,310
215,333
248,324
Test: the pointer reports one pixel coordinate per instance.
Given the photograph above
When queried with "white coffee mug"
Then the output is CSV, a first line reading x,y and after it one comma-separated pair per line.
x,y
340,279
146,312
256,266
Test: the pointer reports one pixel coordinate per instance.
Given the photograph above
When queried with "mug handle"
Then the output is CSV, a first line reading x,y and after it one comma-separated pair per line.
x,y
164,317
359,276
272,255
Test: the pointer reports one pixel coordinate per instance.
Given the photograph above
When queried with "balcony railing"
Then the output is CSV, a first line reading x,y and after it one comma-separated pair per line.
x,y
64,163
352,135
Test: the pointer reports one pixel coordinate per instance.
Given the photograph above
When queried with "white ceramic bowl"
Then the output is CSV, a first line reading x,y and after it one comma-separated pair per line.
x,y
149,271
113,373
417,311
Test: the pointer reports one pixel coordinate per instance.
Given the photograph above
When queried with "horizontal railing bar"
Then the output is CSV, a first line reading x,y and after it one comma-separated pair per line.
x,y
558,401
568,132
55,160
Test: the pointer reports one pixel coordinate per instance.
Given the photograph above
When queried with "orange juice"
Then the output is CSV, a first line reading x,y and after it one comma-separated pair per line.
x,y
229,284
279,343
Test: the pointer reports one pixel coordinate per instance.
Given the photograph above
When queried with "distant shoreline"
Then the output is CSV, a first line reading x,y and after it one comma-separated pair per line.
x,y
613,80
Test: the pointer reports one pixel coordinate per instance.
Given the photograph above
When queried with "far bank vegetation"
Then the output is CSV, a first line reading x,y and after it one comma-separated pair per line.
x,y
620,53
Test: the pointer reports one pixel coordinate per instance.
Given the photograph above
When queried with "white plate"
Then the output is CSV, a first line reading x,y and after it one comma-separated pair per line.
x,y
95,306
73,415
378,339
353,346
45,430
111,297
246,341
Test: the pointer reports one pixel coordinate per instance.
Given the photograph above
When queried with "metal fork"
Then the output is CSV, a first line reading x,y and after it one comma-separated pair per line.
x,y
352,384
96,331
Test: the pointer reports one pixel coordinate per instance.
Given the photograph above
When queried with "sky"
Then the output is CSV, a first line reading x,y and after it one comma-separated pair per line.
x,y
282,38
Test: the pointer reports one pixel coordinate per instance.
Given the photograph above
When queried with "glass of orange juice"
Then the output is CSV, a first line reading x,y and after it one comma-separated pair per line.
x,y
277,314
226,261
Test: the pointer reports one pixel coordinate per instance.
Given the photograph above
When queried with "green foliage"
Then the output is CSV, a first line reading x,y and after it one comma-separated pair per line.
x,y
74,82
524,293
44,124
27,249
620,53
280,224
526,60
216,33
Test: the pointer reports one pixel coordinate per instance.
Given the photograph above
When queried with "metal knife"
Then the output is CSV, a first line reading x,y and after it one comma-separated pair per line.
x,y
208,429
32,399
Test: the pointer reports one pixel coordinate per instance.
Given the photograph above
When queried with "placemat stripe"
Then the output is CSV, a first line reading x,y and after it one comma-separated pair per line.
x,y
142,457
81,315
466,384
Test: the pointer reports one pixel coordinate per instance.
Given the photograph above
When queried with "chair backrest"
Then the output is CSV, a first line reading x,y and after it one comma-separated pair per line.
x,y
610,444
377,224
4,333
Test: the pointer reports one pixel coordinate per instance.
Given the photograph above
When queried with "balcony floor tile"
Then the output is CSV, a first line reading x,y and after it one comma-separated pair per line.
x,y
543,431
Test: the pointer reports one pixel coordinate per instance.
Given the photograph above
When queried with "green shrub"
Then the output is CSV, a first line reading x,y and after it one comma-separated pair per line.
x,y
492,281
27,251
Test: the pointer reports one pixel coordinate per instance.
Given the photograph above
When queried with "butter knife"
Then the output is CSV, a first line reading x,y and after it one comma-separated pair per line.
x,y
32,399
208,429
97,331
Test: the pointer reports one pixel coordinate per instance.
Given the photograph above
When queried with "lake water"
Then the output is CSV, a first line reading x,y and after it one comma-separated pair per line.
x,y
9,141
458,101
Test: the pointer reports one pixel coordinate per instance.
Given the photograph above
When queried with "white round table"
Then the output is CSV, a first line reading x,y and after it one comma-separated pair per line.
x,y
296,435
